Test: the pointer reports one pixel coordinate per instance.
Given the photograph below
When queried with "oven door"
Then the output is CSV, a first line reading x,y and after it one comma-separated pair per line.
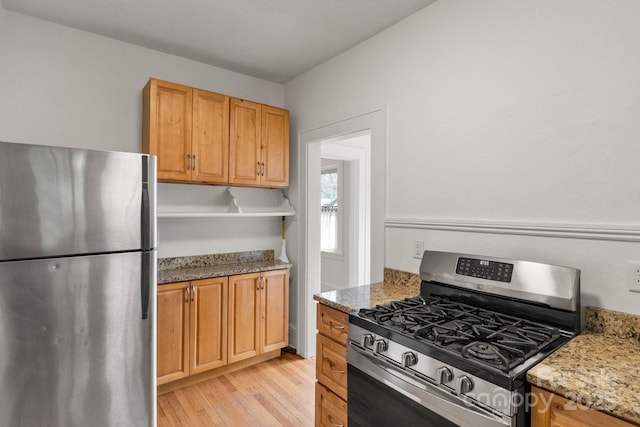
x,y
382,394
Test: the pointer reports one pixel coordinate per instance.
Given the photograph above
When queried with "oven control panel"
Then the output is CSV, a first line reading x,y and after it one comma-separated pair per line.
x,y
485,269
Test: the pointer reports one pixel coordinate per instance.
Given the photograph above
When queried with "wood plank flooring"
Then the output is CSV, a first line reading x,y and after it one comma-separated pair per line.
x,y
279,392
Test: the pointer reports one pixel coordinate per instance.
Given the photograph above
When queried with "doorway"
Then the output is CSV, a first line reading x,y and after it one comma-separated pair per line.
x,y
370,256
345,210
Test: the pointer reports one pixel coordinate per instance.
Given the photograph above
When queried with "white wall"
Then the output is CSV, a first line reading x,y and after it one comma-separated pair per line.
x,y
502,112
61,86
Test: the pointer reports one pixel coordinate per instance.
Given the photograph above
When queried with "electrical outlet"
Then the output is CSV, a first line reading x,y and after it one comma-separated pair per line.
x,y
418,249
634,274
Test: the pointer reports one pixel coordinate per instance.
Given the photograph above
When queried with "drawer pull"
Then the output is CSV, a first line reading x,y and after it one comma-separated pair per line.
x,y
332,366
335,424
334,326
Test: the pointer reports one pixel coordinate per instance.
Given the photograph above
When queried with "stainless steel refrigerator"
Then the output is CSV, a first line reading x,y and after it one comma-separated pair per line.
x,y
77,287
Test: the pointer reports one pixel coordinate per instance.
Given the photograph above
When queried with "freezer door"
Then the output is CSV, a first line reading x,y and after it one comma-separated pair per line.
x,y
74,347
58,201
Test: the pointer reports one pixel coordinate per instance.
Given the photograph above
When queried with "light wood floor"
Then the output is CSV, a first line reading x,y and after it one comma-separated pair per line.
x,y
279,392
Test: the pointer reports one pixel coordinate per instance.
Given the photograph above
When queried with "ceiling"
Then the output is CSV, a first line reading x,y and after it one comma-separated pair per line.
x,y
275,40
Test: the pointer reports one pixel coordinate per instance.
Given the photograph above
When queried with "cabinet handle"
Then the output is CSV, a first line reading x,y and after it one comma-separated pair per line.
x,y
332,366
195,164
188,295
193,293
258,169
262,168
335,424
188,161
334,326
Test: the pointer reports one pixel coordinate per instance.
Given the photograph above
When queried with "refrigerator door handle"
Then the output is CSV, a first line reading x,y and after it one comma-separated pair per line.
x,y
148,214
145,285
147,281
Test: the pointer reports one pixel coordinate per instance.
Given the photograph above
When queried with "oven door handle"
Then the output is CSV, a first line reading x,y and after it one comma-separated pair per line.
x,y
443,403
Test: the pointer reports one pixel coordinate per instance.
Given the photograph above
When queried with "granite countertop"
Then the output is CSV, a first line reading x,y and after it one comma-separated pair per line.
x,y
397,285
183,269
599,368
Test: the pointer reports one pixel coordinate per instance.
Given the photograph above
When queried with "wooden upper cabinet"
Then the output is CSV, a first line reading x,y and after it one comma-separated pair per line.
x,y
258,145
166,128
188,129
275,147
245,164
210,144
209,138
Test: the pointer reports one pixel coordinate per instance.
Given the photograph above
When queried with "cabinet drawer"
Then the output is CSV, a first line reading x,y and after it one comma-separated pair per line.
x,y
331,365
333,323
331,411
551,410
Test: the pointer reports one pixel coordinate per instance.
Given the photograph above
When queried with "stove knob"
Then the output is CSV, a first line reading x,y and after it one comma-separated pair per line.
x,y
409,359
381,346
367,340
444,375
465,385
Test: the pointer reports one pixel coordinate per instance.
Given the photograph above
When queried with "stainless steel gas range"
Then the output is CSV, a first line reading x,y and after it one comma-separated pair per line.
x,y
457,354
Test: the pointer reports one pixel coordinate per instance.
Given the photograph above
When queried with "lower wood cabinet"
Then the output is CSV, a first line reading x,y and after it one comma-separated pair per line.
x,y
210,323
331,411
550,410
258,313
331,367
192,328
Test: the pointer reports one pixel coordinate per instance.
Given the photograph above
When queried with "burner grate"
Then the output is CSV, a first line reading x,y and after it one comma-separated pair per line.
x,y
493,339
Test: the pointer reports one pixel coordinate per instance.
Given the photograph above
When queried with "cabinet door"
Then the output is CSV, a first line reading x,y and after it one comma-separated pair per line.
x,y
244,306
551,410
173,331
210,146
274,310
208,343
167,128
275,147
245,164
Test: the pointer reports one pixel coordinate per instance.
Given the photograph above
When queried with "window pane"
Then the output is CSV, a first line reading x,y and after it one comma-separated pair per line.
x,y
329,211
329,188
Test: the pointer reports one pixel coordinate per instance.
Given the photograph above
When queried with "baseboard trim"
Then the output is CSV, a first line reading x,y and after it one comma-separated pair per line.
x,y
223,370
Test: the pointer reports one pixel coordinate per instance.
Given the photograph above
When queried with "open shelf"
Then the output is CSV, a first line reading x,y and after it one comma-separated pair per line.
x,y
180,201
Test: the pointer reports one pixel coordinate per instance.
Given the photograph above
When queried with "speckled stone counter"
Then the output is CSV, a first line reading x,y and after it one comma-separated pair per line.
x,y
600,367
182,269
397,285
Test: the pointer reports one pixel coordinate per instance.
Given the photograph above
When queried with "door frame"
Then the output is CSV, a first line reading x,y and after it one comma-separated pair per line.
x,y
309,245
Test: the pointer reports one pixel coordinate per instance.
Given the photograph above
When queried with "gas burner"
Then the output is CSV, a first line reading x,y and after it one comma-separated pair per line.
x,y
482,350
495,339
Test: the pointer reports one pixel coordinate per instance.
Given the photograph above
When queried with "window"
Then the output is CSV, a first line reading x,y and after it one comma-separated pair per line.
x,y
329,210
